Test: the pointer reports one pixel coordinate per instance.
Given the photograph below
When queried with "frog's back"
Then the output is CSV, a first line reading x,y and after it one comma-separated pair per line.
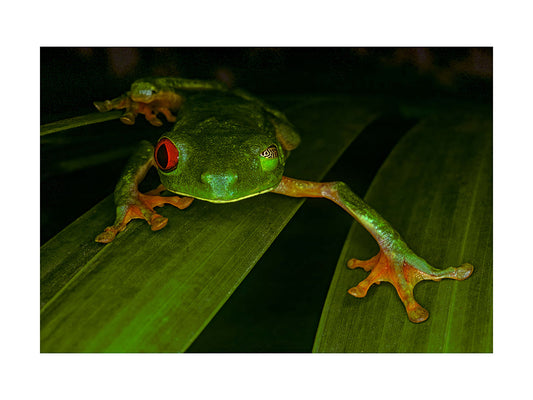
x,y
223,113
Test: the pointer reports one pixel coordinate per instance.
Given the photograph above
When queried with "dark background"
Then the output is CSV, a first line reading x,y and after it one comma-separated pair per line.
x,y
72,78
267,312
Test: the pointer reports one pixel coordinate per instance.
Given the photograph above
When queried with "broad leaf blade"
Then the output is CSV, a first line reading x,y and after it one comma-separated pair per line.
x,y
154,292
436,190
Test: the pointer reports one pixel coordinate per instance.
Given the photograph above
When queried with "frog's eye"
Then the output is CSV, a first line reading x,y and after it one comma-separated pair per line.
x,y
269,158
147,92
270,152
166,155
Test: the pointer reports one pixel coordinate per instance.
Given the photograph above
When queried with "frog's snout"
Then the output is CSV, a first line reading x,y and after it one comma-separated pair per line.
x,y
219,182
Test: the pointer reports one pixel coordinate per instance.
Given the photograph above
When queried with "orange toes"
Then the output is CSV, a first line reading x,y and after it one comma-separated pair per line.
x,y
128,118
403,275
367,265
181,202
107,235
360,290
464,271
158,222
141,206
154,120
156,191
416,313
102,106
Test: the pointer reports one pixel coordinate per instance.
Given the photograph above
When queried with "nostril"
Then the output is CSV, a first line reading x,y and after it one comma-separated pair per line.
x,y
205,177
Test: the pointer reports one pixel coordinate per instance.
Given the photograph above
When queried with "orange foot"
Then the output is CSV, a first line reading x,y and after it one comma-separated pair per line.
x,y
164,103
142,207
404,272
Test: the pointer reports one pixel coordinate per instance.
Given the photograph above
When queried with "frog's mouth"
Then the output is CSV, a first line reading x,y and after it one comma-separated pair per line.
x,y
221,200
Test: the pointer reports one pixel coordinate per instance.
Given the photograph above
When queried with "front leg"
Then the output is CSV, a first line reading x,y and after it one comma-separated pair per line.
x,y
131,204
395,263
164,102
151,96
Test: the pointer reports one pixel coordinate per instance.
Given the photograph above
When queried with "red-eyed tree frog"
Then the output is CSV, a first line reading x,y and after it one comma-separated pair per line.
x,y
227,145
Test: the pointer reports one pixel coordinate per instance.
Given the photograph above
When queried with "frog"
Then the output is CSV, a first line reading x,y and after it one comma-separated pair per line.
x,y
227,145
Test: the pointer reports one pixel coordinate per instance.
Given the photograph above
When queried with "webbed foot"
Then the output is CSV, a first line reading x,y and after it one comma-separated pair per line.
x,y
404,272
164,103
142,206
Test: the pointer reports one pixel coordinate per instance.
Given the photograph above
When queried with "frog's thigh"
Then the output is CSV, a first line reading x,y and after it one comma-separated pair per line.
x,y
286,134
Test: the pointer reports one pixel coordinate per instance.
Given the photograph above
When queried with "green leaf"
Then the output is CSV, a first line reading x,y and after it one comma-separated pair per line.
x,y
155,291
436,190
75,122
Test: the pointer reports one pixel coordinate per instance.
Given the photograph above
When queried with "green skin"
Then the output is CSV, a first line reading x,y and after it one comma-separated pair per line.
x,y
233,146
220,138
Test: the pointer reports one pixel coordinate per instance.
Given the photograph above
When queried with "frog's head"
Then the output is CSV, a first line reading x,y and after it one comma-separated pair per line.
x,y
143,91
219,167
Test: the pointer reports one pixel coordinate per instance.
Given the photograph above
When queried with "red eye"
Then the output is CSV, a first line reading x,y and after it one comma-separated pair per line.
x,y
166,155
